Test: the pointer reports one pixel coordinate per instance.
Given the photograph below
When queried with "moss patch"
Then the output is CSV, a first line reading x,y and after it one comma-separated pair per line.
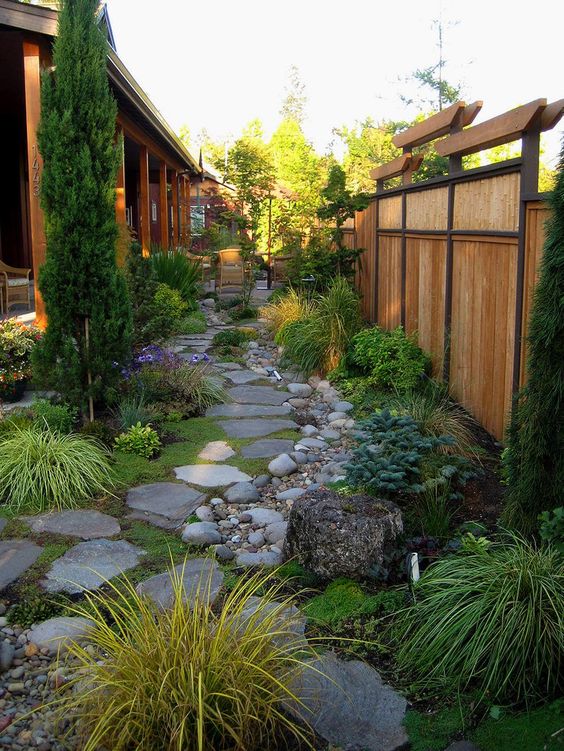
x,y
344,599
541,728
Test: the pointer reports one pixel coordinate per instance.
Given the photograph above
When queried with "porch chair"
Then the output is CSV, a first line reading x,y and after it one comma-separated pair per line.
x,y
231,269
14,284
205,265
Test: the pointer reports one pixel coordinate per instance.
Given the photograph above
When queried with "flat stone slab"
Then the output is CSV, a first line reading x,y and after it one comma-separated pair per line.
x,y
229,365
266,558
248,410
258,395
85,524
90,564
201,578
16,556
349,705
267,447
56,634
216,451
255,428
211,475
164,504
240,377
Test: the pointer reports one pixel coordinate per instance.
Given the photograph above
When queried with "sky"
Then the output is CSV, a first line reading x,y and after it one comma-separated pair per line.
x,y
217,64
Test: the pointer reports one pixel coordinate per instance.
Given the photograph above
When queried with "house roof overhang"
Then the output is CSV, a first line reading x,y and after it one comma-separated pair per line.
x,y
42,20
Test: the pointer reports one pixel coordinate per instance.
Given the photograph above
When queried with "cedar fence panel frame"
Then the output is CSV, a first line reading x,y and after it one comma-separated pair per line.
x,y
505,302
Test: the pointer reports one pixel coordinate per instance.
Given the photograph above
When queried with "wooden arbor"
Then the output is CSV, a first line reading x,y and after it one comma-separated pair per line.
x,y
454,258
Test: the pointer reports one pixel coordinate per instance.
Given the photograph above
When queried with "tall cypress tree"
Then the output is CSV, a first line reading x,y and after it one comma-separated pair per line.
x,y
89,316
535,459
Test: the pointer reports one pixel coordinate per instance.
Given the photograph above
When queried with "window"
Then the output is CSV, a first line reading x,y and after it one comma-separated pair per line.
x,y
198,219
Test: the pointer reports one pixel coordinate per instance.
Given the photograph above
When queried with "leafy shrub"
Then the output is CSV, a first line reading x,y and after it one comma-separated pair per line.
x,y
286,308
232,338
133,411
490,620
178,272
208,679
41,470
195,323
34,609
391,358
58,417
14,421
141,440
142,286
436,414
551,527
99,431
318,341
242,312
169,304
394,456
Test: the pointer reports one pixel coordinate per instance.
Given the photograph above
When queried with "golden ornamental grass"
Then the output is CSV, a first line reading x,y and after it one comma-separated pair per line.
x,y
293,306
181,679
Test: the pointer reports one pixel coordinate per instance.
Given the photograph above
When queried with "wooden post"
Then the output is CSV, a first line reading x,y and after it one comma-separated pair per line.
x,y
188,214
174,181
163,204
120,181
32,84
181,212
144,206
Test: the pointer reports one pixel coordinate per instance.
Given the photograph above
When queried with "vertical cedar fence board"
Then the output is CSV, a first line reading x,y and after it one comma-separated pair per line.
x,y
463,307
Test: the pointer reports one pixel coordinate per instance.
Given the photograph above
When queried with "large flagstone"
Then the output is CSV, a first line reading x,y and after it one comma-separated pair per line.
x,y
201,578
164,504
255,428
90,564
258,395
83,523
267,447
16,556
240,377
248,410
210,475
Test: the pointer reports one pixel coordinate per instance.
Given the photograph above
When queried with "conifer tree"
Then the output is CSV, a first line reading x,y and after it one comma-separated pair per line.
x,y
535,455
89,317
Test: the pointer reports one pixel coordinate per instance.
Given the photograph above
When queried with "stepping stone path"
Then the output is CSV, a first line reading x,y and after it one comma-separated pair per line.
x,y
16,556
210,475
258,395
255,428
216,451
266,448
85,524
200,576
241,377
248,410
164,504
87,565
349,705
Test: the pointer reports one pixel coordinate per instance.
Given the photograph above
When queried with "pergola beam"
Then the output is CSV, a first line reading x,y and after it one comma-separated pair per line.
x,y
395,168
457,115
499,130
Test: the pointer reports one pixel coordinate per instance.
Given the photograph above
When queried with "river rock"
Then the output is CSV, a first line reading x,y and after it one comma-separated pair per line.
x,y
57,633
201,533
301,390
242,492
283,465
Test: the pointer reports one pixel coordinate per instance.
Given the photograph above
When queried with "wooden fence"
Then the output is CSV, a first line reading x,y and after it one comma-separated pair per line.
x,y
455,258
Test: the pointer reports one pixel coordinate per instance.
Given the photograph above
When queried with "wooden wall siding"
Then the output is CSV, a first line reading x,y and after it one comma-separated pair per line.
x,y
537,213
389,281
389,212
427,209
425,295
488,204
483,329
366,273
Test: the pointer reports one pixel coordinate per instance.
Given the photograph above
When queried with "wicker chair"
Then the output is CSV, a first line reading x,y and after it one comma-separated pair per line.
x,y
15,286
205,265
231,269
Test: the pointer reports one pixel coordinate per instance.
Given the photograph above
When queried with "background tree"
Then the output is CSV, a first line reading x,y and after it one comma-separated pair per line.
x,y
535,453
293,106
89,317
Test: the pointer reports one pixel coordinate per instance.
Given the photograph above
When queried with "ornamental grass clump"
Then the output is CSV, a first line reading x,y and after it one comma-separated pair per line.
x,y
489,620
41,469
188,678
317,342
287,308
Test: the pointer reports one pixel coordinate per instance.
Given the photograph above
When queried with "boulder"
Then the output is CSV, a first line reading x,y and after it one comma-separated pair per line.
x,y
201,533
242,492
300,390
335,535
56,634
